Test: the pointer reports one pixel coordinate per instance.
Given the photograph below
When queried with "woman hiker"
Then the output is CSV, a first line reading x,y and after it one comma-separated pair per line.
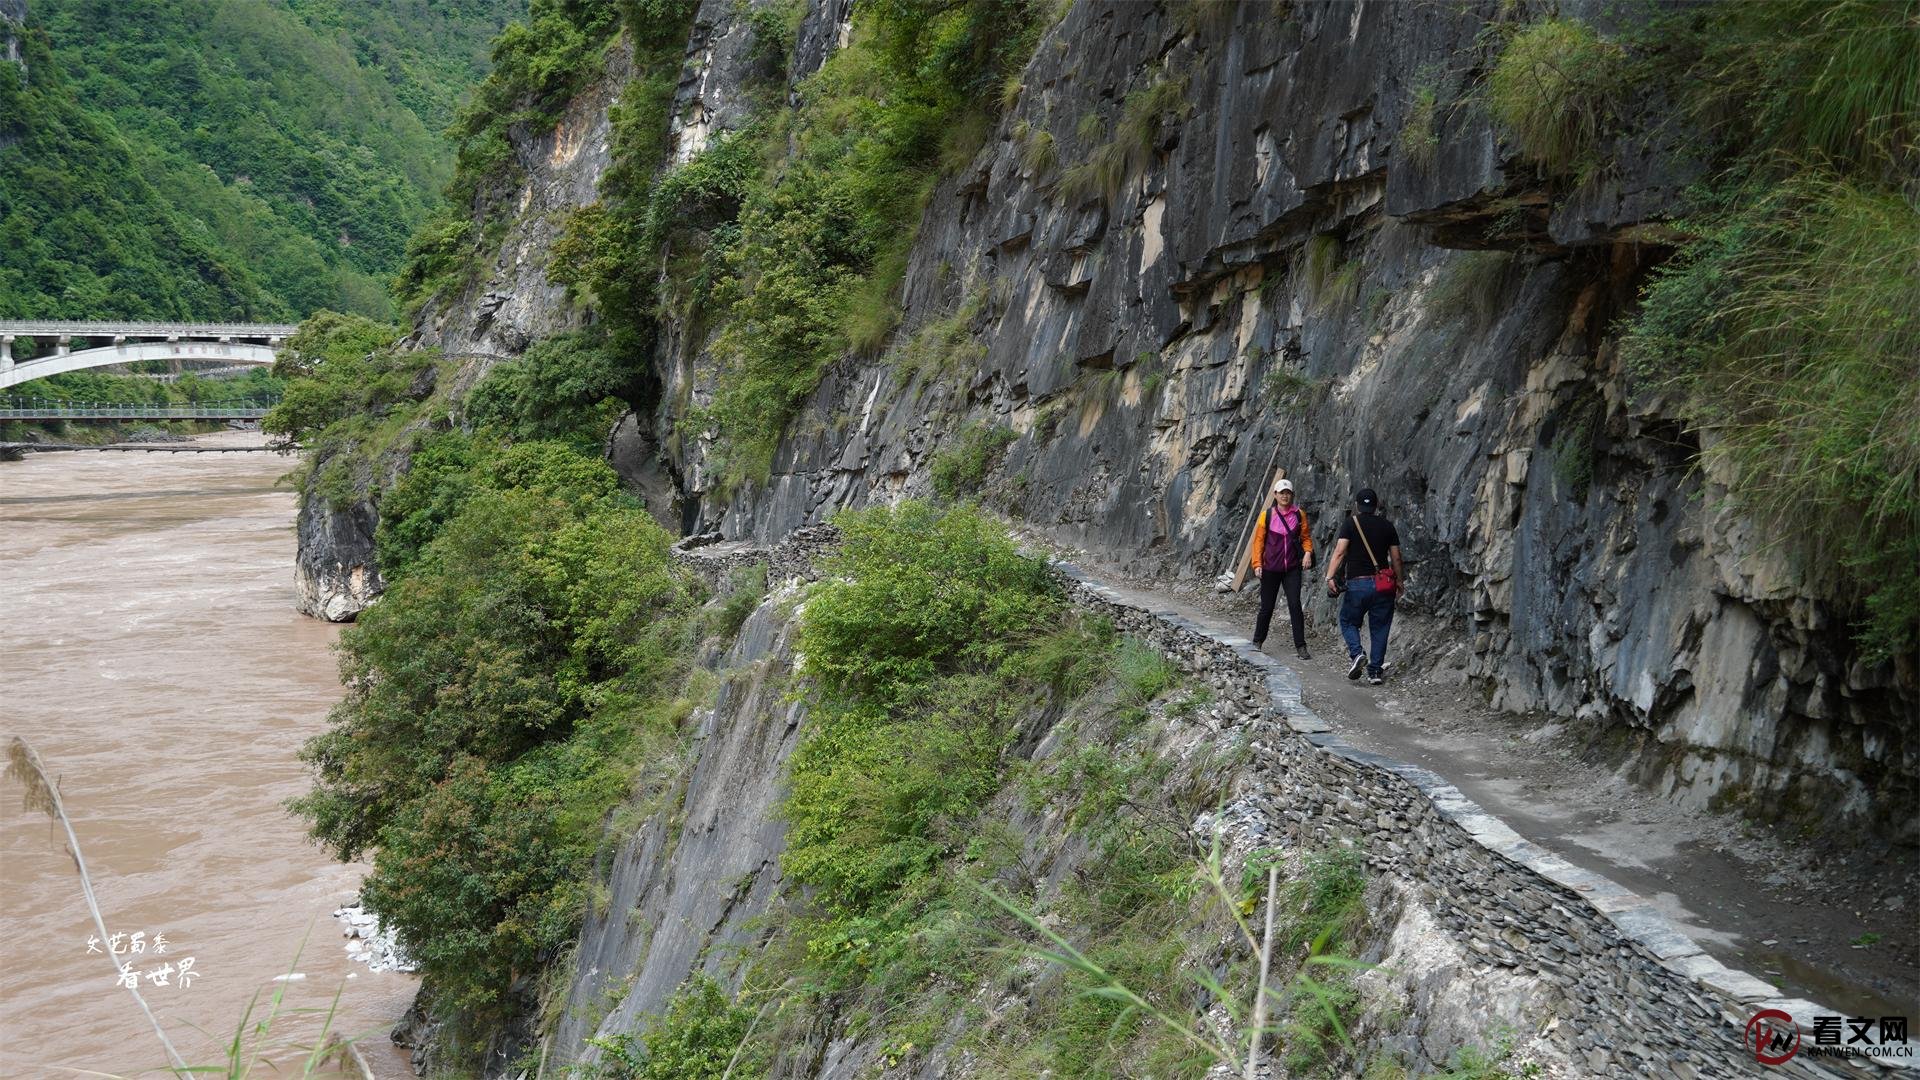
x,y
1282,547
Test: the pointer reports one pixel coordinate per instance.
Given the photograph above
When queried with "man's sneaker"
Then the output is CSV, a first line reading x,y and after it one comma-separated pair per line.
x,y
1302,653
1373,677
1359,665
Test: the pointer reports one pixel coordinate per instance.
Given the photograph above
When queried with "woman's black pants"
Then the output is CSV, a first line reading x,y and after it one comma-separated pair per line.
x,y
1271,582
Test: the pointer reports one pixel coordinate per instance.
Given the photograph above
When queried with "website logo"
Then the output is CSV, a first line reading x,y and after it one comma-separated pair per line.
x,y
1773,1037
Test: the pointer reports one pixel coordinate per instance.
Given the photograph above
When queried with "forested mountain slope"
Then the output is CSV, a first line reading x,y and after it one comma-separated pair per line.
x,y
214,159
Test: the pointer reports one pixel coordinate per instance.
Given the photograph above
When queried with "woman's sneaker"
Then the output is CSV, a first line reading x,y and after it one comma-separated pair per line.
x,y
1359,664
1301,652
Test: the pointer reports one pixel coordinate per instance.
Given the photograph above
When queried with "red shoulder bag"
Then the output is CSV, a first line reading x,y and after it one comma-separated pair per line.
x,y
1384,582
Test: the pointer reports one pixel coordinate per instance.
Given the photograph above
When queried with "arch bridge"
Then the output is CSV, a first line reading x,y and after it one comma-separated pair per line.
x,y
106,343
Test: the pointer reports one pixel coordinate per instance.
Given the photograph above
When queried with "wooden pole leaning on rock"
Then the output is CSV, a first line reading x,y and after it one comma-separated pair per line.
x,y
1240,552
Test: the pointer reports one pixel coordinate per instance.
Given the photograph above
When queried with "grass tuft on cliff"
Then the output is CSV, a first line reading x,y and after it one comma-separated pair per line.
x,y
1791,328
1554,90
1828,82
1786,324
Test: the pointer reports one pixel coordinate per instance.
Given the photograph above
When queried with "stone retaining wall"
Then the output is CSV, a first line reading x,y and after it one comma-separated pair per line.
x,y
715,560
1639,997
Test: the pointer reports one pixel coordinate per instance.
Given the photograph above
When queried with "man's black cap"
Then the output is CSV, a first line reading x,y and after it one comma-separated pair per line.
x,y
1367,500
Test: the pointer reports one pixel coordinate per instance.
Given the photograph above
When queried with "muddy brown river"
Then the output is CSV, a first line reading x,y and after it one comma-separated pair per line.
x,y
151,654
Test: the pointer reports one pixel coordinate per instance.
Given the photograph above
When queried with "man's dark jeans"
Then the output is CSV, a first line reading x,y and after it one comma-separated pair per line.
x,y
1361,601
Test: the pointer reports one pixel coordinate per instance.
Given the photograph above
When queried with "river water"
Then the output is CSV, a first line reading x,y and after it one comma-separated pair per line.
x,y
150,652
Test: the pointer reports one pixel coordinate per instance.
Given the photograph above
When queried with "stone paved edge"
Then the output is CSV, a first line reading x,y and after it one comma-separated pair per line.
x,y
1731,994
1637,922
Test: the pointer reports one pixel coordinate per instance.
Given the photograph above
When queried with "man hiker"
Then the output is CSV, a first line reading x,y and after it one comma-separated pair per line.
x,y
1368,551
1282,548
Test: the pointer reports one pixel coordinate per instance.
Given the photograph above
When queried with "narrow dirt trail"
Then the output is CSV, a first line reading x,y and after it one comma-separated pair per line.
x,y
1838,928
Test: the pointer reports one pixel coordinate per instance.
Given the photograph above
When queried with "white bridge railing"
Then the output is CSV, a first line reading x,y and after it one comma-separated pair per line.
x,y
245,411
55,328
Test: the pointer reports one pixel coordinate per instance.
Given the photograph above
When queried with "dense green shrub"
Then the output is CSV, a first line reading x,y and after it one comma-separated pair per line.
x,y
803,246
494,695
326,337
438,481
914,593
918,645
571,387
340,370
519,672
871,788
440,257
699,1037
611,252
928,648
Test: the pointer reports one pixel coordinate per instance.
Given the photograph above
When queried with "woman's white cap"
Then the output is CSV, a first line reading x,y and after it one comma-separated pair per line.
x,y
1282,485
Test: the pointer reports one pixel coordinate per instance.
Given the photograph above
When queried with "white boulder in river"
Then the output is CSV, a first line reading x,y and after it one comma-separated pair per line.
x,y
370,943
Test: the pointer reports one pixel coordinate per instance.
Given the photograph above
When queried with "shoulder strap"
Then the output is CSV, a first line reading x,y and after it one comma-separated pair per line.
x,y
1371,557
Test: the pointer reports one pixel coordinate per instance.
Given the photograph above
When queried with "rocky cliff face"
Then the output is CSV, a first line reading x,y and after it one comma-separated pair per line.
x,y
685,891
1283,277
13,14
1281,280
512,303
334,575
